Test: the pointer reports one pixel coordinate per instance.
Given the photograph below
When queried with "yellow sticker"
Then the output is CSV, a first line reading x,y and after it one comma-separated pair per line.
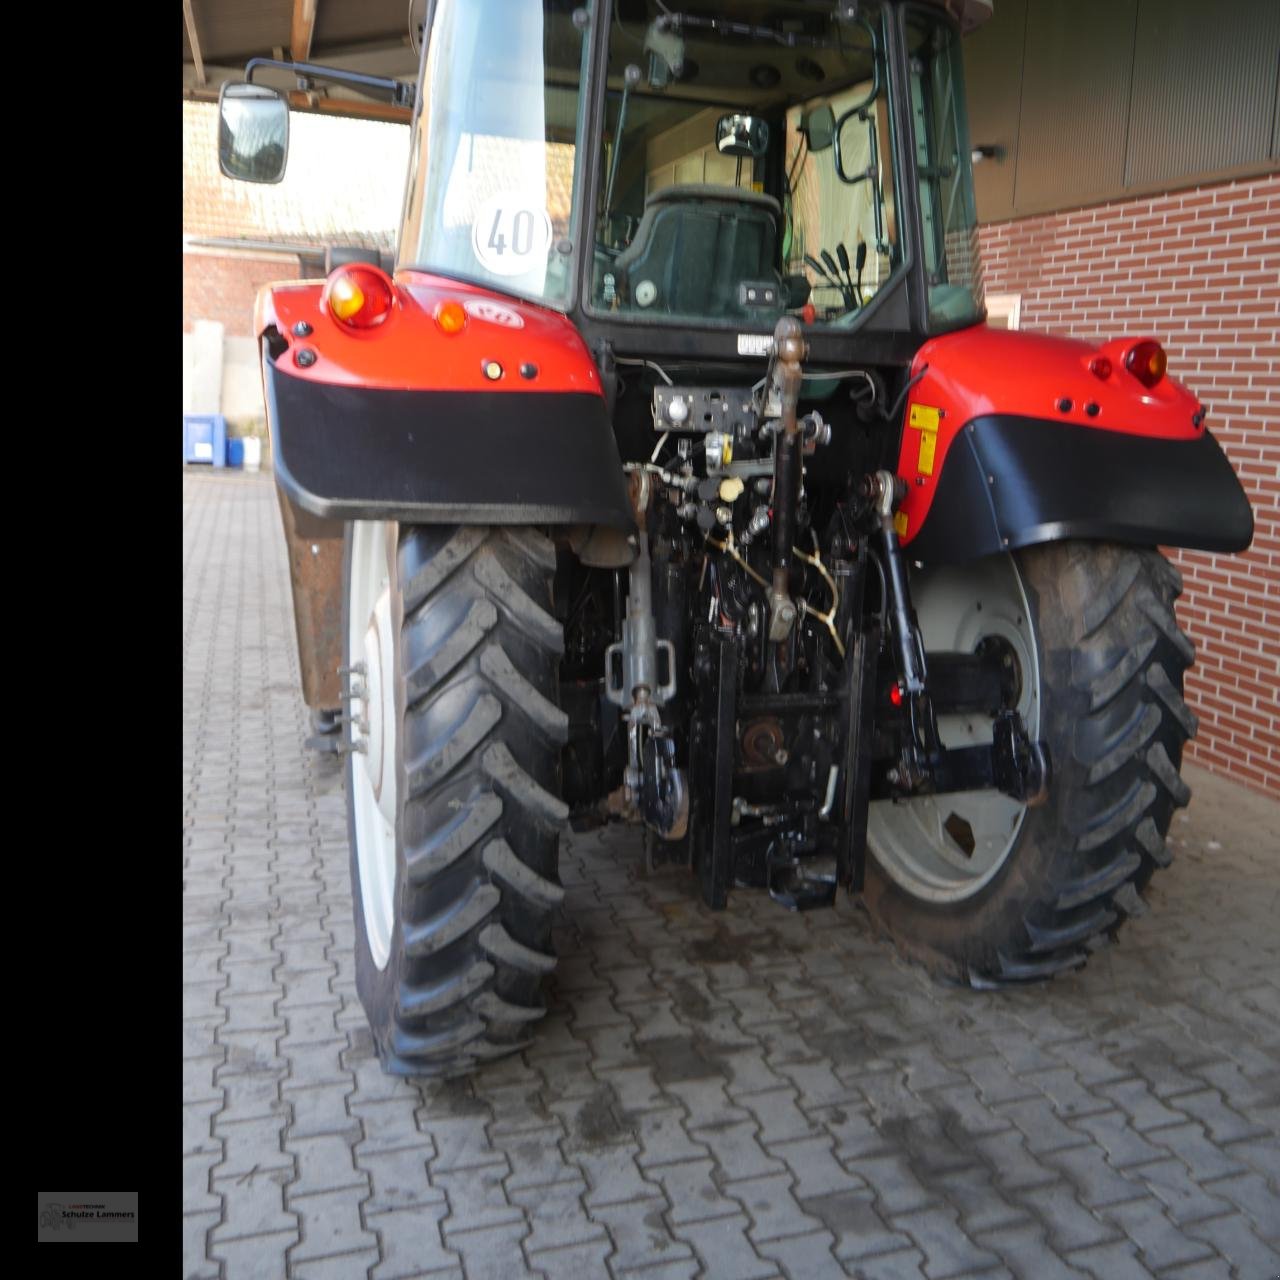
x,y
900,523
928,442
924,417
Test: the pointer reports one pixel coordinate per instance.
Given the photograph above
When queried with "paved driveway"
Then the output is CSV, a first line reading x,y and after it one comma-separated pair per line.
x,y
743,1094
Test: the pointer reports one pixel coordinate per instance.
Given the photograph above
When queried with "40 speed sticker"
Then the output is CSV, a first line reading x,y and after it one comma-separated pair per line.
x,y
511,236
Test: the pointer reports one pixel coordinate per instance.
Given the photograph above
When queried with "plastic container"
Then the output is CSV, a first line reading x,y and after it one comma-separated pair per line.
x,y
252,453
235,452
204,439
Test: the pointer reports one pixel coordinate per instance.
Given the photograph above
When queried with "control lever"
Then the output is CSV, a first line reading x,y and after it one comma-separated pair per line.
x,y
821,271
835,274
843,254
860,261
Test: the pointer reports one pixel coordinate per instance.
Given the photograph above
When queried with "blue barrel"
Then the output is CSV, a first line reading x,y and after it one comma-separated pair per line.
x,y
204,439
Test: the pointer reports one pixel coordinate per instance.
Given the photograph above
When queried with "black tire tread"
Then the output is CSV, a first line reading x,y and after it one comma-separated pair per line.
x,y
503,863
1127,750
482,735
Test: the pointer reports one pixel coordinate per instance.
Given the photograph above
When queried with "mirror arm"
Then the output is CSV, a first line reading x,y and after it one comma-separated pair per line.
x,y
399,93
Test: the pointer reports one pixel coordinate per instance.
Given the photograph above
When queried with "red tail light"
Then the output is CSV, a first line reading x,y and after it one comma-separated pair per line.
x,y
1147,361
359,297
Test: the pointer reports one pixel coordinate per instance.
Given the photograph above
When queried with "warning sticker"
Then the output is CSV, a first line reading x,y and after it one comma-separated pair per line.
x,y
900,524
511,235
928,443
924,417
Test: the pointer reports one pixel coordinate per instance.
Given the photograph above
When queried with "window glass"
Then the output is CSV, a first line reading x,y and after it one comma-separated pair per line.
x,y
490,185
746,164
941,131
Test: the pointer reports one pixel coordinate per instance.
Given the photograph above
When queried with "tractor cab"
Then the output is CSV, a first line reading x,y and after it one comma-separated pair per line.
x,y
700,168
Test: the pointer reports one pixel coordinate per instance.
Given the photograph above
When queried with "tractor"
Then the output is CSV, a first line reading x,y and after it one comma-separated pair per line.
x,y
670,475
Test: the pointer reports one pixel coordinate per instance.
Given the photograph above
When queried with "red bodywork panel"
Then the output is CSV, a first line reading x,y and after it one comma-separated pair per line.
x,y
408,351
982,371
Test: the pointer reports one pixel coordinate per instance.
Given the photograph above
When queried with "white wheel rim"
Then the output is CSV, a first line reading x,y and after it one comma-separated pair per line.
x,y
371,644
957,607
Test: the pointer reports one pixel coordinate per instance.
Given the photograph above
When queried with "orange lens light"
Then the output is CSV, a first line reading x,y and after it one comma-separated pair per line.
x,y
359,297
1147,362
451,317
346,298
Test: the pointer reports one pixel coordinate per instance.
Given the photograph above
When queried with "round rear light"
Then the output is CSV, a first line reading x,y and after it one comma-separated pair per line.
x,y
1147,362
451,316
359,297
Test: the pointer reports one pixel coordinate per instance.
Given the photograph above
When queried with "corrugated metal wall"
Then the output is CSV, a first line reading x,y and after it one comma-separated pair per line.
x,y
1090,100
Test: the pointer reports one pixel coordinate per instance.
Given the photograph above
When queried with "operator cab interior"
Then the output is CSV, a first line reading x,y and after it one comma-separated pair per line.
x,y
744,165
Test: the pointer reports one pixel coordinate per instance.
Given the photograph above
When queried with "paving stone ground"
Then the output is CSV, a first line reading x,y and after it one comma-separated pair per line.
x,y
743,1094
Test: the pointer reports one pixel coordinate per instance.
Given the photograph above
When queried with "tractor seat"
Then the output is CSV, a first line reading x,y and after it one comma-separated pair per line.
x,y
694,248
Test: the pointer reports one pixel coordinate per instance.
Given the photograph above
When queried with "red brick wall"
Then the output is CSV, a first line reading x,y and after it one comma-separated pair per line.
x,y
1200,270
223,288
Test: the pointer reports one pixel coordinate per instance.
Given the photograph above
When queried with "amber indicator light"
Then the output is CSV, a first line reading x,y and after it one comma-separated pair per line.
x,y
451,317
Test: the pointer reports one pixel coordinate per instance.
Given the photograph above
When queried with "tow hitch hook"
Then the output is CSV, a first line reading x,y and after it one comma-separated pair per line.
x,y
1019,767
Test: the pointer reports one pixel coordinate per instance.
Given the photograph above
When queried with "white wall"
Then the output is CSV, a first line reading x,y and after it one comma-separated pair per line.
x,y
241,380
202,368
220,374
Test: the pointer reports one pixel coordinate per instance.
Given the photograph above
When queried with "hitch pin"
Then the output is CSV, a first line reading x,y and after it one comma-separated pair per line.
x,y
829,803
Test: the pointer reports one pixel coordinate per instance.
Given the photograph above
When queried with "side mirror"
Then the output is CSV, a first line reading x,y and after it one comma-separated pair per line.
x,y
820,128
253,132
739,135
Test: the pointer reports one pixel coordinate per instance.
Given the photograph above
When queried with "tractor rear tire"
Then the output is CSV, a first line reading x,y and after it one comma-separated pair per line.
x,y
452,787
1097,620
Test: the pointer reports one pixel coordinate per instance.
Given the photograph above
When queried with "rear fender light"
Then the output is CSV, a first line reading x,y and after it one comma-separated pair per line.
x,y
450,316
359,297
1147,361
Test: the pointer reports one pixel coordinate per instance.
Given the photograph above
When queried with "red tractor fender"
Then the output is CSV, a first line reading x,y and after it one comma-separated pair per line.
x,y
459,405
410,351
1013,438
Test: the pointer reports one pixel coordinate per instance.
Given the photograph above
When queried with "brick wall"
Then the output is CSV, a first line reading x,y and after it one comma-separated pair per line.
x,y
1200,270
217,287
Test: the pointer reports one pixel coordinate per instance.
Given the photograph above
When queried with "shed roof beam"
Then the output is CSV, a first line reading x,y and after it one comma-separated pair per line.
x,y
193,40
302,29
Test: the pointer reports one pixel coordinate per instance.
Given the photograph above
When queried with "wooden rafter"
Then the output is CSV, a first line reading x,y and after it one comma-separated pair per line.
x,y
302,29
193,40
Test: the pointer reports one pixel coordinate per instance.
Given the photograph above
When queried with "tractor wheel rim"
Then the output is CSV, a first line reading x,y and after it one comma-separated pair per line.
x,y
944,849
371,643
